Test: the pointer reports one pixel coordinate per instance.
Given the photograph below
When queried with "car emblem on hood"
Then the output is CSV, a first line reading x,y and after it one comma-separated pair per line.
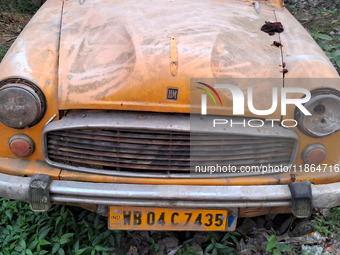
x,y
172,94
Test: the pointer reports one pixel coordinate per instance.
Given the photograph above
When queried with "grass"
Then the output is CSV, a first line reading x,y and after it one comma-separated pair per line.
x,y
329,226
59,231
221,246
18,6
14,15
323,23
3,51
11,24
275,248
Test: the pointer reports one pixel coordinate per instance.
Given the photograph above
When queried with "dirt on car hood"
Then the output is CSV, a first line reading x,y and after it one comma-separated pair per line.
x,y
129,55
126,54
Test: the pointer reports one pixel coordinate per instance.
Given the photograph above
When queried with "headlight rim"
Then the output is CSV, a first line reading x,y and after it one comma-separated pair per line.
x,y
298,116
33,89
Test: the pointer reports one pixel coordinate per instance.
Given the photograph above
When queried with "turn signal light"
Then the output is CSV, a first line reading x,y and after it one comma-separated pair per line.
x,y
314,154
21,145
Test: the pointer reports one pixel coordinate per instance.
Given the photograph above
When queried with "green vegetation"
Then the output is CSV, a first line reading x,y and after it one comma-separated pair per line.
x,y
18,6
186,250
226,245
154,246
323,23
275,248
331,225
3,51
13,18
60,231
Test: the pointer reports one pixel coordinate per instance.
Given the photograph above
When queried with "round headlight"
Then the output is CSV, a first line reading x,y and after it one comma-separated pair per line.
x,y
21,105
325,109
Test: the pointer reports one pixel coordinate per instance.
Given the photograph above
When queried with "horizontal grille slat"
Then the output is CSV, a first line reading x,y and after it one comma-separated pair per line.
x,y
162,151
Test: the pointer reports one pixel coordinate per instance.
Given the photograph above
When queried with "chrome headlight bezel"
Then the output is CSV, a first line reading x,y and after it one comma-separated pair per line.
x,y
22,103
319,124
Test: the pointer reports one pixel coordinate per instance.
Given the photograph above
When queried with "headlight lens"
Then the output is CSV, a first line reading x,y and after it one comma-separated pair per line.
x,y
325,109
21,105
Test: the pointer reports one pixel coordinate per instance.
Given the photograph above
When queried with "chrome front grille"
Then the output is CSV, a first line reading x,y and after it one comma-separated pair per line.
x,y
121,149
133,144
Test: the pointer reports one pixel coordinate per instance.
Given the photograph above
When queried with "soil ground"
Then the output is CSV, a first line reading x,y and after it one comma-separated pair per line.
x,y
11,25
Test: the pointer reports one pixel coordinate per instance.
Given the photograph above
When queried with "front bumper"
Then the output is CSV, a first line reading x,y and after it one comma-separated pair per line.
x,y
174,196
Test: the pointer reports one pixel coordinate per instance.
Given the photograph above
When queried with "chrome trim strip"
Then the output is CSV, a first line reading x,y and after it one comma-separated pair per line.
x,y
158,121
257,7
51,119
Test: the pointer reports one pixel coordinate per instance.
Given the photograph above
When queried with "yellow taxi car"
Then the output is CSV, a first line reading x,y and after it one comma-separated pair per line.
x,y
101,106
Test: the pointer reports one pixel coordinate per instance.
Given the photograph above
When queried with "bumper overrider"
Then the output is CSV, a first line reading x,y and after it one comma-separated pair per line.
x,y
40,191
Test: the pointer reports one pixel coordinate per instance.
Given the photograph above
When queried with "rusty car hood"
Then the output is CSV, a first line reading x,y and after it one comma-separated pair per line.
x,y
125,55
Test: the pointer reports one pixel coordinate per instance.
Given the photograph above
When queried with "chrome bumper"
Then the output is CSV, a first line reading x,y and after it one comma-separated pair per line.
x,y
175,196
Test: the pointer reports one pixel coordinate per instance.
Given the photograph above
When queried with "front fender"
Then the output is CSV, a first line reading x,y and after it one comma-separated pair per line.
x,y
34,56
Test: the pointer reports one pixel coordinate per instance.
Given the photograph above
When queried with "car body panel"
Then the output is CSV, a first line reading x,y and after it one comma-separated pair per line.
x,y
132,70
40,69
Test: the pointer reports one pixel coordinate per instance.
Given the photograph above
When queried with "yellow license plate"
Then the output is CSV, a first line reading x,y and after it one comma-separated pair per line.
x,y
149,218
